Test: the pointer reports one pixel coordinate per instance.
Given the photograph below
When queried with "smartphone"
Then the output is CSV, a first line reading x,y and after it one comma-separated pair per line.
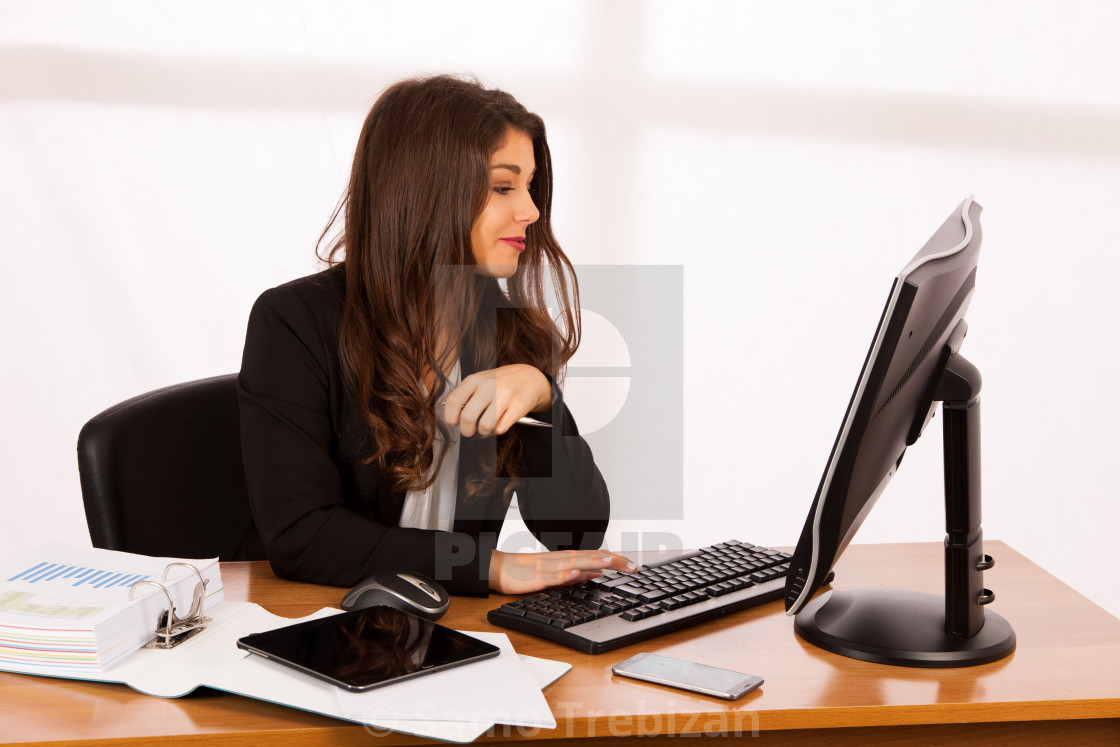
x,y
688,675
368,648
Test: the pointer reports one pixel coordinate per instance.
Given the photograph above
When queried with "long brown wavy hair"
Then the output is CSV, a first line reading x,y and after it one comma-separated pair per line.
x,y
420,179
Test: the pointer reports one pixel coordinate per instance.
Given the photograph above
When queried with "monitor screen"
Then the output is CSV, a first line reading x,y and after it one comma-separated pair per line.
x,y
920,327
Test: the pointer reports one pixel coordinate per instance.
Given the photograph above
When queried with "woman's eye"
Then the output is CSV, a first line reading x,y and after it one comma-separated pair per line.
x,y
503,190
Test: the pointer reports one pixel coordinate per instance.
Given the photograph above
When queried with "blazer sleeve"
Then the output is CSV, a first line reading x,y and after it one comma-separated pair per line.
x,y
287,388
563,498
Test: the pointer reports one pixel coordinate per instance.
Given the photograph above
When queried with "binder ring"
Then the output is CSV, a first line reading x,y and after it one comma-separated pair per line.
x,y
171,630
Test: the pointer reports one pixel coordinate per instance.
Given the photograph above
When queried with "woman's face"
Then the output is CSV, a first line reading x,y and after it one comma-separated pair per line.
x,y
498,235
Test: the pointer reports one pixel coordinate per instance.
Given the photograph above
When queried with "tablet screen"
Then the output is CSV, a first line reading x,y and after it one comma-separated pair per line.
x,y
368,648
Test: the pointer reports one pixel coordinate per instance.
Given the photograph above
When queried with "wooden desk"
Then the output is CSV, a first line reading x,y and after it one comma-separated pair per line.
x,y
1061,685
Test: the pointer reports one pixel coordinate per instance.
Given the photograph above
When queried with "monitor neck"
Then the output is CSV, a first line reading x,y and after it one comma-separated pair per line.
x,y
965,561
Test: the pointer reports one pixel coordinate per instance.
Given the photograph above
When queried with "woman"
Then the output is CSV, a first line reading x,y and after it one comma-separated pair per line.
x,y
380,399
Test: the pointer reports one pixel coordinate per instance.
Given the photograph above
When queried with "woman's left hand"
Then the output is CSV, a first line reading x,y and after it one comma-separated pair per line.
x,y
490,402
526,572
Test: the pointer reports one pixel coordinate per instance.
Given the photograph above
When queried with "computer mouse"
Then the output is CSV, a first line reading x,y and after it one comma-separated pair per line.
x,y
402,590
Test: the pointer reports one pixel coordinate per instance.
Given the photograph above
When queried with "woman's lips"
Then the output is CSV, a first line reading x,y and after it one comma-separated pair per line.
x,y
517,242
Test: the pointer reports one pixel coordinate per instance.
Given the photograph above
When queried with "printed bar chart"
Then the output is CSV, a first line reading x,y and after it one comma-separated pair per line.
x,y
77,576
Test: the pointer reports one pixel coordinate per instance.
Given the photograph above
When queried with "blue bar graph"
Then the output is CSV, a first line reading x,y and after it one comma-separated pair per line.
x,y
79,574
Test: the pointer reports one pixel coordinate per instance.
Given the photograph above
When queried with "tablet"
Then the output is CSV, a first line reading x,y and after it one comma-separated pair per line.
x,y
367,648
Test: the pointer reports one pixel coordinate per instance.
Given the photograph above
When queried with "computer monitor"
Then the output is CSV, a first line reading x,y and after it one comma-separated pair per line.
x,y
914,363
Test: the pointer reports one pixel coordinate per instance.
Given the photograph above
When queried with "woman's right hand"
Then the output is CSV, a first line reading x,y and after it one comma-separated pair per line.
x,y
527,572
490,402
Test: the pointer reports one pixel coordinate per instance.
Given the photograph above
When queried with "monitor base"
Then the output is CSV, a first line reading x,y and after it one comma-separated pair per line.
x,y
903,628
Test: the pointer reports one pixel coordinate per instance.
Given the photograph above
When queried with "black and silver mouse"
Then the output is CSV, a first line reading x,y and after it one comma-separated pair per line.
x,y
402,590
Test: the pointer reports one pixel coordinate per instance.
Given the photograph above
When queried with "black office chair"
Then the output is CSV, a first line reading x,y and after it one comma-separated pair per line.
x,y
161,474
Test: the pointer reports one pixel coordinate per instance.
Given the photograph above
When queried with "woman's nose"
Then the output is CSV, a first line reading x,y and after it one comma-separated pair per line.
x,y
527,210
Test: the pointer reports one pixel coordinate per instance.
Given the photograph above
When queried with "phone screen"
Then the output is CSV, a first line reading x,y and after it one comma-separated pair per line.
x,y
367,648
688,675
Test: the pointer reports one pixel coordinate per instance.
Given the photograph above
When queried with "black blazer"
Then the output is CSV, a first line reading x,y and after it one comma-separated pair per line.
x,y
324,517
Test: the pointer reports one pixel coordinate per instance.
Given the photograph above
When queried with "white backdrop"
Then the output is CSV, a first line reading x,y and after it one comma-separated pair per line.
x,y
163,163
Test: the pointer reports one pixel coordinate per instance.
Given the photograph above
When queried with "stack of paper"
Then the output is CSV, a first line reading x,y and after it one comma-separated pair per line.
x,y
67,608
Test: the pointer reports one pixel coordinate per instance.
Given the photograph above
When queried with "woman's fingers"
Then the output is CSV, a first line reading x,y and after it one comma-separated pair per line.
x,y
481,399
490,402
472,405
455,409
522,573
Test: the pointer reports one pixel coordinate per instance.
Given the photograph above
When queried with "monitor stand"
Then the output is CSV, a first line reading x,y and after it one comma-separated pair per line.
x,y
916,629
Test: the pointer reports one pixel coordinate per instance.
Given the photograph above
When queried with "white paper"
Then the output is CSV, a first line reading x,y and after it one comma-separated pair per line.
x,y
499,690
544,671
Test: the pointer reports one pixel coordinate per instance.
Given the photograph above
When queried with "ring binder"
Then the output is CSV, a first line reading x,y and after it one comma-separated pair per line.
x,y
171,630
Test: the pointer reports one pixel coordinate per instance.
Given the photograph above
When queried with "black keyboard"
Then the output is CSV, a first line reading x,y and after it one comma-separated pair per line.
x,y
617,609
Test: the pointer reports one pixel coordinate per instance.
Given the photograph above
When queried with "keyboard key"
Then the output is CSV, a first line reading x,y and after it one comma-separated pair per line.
x,y
610,583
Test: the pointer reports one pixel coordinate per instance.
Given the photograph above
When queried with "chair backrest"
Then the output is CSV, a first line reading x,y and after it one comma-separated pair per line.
x,y
161,474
